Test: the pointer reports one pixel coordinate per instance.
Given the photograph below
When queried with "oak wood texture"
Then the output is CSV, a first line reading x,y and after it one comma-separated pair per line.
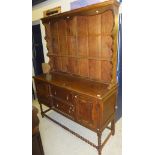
x,y
84,41
89,103
82,51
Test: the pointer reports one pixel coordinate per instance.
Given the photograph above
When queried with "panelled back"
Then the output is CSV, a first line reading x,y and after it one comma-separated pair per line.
x,y
82,45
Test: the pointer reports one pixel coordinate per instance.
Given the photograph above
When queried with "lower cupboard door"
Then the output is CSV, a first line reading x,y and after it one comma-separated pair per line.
x,y
85,112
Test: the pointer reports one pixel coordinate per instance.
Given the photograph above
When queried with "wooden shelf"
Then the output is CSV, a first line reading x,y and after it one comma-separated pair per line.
x,y
81,57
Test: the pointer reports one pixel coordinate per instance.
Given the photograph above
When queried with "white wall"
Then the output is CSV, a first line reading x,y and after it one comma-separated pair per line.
x,y
37,14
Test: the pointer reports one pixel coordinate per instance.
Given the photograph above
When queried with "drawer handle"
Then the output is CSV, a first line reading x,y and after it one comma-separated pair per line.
x,y
75,96
55,92
57,105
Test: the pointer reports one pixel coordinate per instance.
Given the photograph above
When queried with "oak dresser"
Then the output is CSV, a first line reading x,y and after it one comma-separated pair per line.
x,y
82,83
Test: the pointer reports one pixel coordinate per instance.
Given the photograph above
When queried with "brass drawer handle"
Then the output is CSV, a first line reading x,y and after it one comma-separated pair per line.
x,y
75,96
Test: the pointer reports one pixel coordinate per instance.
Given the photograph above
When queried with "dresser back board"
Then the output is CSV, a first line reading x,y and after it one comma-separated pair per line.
x,y
83,41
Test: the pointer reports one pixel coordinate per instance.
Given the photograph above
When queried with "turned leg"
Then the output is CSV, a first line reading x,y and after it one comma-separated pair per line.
x,y
113,127
41,108
99,149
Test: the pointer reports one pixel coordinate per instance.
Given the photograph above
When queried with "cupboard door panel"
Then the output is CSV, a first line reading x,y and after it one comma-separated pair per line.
x,y
85,111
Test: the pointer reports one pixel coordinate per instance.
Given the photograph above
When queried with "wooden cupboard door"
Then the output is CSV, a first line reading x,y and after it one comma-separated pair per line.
x,y
85,111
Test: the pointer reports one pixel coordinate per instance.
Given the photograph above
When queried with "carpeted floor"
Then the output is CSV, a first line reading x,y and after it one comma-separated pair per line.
x,y
57,141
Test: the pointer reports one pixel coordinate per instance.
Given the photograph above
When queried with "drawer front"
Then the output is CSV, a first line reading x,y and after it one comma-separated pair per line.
x,y
86,113
64,108
62,93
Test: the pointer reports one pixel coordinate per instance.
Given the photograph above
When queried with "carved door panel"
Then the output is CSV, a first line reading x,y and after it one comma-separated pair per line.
x,y
85,111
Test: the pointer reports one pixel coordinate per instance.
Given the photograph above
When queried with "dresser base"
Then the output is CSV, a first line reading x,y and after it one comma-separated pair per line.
x,y
100,145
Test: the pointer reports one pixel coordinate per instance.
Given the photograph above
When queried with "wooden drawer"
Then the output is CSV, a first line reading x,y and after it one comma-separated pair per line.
x,y
64,108
62,94
86,111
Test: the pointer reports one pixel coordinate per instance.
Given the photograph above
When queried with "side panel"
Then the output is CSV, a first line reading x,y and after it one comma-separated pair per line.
x,y
43,92
108,108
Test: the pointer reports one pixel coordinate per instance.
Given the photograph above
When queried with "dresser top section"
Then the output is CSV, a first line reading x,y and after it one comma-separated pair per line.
x,y
77,84
88,10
